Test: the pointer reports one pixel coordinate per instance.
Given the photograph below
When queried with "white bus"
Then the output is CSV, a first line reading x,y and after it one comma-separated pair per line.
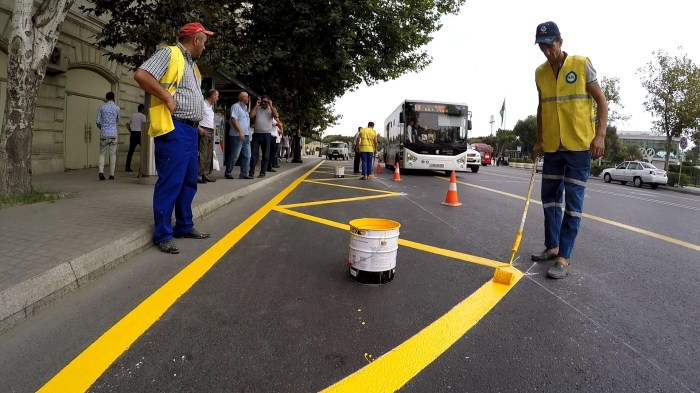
x,y
431,136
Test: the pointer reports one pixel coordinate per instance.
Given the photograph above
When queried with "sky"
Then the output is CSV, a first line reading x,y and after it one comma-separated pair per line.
x,y
486,54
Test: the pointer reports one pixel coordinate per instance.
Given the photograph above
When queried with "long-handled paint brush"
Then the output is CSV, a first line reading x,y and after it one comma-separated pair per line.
x,y
504,275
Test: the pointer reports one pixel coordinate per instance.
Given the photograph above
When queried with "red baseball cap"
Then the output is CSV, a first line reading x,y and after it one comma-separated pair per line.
x,y
194,28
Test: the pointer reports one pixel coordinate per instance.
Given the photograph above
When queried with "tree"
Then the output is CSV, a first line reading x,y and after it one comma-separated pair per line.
x,y
304,54
31,41
526,130
505,140
673,96
611,89
615,150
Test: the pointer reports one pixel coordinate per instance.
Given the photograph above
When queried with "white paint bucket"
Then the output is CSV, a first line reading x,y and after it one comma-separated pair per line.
x,y
373,246
339,171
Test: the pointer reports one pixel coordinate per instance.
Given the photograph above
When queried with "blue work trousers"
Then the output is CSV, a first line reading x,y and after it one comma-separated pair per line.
x,y
564,176
367,158
239,148
176,164
261,140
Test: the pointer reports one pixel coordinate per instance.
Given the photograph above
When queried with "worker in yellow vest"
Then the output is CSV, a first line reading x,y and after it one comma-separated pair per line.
x,y
569,136
173,80
367,144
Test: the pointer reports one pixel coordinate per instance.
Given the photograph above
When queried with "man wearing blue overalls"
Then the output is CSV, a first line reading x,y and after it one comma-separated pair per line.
x,y
173,80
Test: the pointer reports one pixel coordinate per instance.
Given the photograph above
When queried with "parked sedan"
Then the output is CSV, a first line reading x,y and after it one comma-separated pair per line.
x,y
539,165
638,172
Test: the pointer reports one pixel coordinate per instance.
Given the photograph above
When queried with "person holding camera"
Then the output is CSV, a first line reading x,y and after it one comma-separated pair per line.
x,y
265,114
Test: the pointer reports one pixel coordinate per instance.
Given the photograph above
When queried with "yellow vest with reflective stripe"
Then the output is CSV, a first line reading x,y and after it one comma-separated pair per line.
x,y
367,136
567,108
161,120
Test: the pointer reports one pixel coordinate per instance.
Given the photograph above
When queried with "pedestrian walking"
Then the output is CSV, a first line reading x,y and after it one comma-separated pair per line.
x,y
205,132
135,125
173,80
107,119
285,146
567,134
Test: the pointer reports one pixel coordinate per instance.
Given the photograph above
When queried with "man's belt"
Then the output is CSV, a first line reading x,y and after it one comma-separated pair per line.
x,y
207,128
188,122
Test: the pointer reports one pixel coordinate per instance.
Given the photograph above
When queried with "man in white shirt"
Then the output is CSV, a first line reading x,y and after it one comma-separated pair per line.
x,y
206,138
135,125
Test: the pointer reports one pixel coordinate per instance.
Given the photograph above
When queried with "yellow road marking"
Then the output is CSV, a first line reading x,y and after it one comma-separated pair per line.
x,y
315,181
631,228
343,200
403,242
392,370
347,177
84,370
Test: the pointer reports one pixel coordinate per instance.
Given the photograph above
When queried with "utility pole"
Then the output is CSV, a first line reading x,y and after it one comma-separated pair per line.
x,y
492,121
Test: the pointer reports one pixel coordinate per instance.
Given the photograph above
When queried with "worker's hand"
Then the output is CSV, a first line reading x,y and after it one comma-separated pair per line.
x,y
171,105
597,147
537,149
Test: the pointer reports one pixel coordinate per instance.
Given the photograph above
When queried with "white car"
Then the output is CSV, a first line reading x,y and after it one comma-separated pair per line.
x,y
539,165
638,172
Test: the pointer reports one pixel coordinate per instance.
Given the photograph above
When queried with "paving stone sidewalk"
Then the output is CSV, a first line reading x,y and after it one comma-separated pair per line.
x,y
49,249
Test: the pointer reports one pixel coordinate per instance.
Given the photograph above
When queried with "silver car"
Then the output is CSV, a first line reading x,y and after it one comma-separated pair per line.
x,y
638,172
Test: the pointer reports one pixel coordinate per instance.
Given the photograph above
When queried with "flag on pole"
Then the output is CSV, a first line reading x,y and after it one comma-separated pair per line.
x,y
503,111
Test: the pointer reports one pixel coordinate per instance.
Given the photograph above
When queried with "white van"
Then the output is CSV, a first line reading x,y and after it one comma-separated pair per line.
x,y
337,151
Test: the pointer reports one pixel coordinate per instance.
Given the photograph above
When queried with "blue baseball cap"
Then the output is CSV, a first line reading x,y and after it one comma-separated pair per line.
x,y
546,33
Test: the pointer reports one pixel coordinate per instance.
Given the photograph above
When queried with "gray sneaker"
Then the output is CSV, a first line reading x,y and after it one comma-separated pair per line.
x,y
545,255
558,271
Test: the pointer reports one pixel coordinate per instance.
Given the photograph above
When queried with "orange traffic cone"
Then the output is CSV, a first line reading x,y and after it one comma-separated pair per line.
x,y
379,168
451,197
397,174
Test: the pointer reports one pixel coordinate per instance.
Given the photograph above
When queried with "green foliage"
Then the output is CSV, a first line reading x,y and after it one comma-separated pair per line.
x,y
615,150
673,95
35,196
304,54
611,90
504,140
673,179
596,169
526,130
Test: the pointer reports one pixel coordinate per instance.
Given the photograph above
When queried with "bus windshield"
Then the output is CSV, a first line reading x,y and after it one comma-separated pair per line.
x,y
429,127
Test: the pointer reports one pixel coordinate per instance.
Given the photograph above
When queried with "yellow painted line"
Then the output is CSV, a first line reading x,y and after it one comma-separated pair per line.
x,y
392,370
314,181
347,177
84,370
343,200
645,232
403,242
308,217
452,254
618,224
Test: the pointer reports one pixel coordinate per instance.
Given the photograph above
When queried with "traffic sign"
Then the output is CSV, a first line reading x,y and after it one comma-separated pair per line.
x,y
684,143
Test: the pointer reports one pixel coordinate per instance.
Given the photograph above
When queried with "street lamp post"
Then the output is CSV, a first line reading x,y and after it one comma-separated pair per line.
x,y
492,121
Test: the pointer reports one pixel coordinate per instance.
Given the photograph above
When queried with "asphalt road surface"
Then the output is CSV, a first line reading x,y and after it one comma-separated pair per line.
x,y
267,304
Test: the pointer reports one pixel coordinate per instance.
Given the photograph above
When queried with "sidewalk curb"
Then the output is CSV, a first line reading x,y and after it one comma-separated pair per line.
x,y
23,300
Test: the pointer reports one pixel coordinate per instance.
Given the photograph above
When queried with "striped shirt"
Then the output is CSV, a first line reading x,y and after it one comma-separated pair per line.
x,y
188,95
107,119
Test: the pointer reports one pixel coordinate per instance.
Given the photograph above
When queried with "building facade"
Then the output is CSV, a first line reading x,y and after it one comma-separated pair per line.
x,y
65,135
646,140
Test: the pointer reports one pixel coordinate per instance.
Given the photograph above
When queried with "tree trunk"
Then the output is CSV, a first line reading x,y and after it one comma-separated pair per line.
x,y
32,38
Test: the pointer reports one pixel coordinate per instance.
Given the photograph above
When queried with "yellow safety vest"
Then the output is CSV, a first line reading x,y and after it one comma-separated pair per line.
x,y
161,120
567,108
367,137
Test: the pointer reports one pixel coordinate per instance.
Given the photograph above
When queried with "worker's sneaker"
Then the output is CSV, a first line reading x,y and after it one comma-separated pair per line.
x,y
545,255
559,270
194,234
168,247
